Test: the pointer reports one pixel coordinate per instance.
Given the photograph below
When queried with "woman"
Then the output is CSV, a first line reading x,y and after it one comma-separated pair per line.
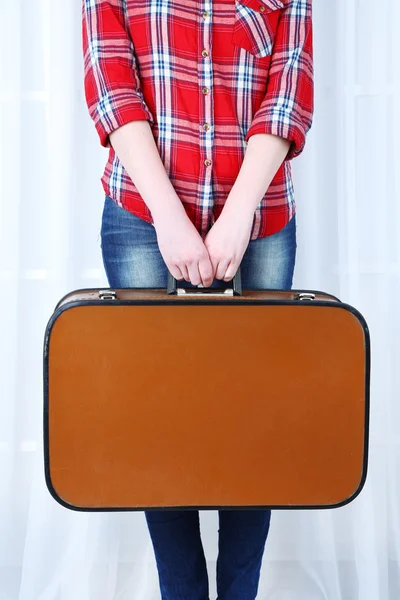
x,y
202,106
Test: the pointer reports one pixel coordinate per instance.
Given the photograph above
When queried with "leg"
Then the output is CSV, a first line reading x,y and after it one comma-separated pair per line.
x,y
242,538
179,553
132,258
268,263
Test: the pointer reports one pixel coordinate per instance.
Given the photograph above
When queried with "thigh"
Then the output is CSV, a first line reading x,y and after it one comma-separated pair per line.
x,y
268,262
130,251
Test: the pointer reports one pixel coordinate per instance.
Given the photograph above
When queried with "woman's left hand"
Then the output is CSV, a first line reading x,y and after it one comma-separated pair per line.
x,y
227,241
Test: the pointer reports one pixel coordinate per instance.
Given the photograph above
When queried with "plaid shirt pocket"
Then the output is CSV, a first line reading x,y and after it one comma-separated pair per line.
x,y
255,25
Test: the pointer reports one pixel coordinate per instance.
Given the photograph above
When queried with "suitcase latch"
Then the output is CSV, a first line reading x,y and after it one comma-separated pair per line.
x,y
304,296
107,295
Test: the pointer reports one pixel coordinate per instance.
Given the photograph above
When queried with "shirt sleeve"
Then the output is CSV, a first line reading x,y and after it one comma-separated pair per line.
x,y
111,80
287,108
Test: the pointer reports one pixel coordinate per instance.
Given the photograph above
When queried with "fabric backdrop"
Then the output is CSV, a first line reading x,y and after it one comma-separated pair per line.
x,y
348,203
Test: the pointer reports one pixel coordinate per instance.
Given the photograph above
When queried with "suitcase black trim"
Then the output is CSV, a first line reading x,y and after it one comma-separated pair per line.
x,y
144,289
175,301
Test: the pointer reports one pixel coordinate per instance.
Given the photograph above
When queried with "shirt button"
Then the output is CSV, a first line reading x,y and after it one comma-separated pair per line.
x,y
204,53
207,162
205,90
262,8
206,126
205,14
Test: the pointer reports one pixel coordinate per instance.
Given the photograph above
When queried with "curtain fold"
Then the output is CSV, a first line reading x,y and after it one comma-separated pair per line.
x,y
348,205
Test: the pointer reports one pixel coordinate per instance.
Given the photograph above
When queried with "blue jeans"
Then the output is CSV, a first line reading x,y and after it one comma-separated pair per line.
x,y
132,258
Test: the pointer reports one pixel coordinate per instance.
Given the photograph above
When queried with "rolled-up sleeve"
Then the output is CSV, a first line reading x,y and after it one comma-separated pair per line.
x,y
287,108
111,79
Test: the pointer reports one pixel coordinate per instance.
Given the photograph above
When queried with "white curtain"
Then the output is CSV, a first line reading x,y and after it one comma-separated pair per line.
x,y
348,199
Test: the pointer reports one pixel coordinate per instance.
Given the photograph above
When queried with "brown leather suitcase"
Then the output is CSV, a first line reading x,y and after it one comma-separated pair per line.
x,y
205,399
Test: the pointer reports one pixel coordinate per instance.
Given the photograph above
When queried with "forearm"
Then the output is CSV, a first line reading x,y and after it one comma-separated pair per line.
x,y
263,157
135,147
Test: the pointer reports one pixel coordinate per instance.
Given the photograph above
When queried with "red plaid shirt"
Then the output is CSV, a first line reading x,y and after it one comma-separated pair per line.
x,y
206,75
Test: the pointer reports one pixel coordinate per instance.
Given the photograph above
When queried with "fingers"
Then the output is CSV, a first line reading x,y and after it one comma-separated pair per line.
x,y
206,272
194,274
202,272
185,272
176,272
230,271
221,270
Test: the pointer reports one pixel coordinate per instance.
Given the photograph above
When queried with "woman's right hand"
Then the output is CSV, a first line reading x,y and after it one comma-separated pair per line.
x,y
183,249
180,243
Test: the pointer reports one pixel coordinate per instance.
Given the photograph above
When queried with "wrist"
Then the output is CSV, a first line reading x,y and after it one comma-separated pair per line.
x,y
171,210
240,206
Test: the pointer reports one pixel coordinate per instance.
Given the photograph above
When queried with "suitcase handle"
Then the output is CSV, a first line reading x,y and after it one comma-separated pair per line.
x,y
235,290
